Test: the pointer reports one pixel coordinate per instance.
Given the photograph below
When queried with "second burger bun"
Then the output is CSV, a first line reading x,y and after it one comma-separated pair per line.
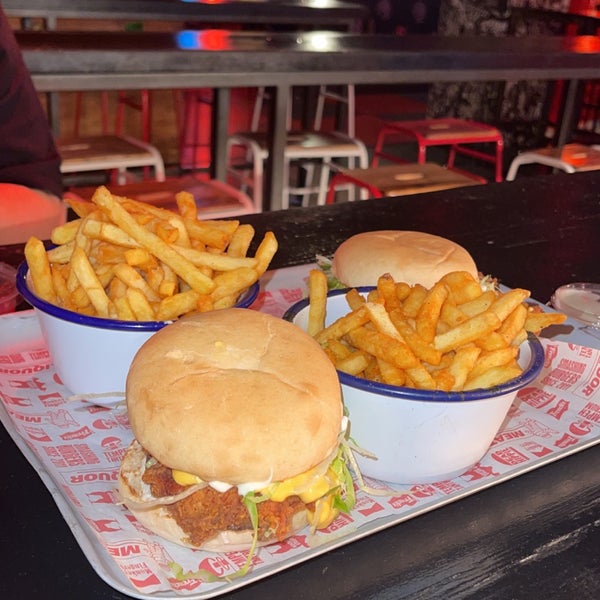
x,y
234,396
409,256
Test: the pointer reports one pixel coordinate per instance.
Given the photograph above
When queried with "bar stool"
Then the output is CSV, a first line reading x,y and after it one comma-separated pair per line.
x,y
214,199
570,158
304,149
25,212
109,153
401,180
459,134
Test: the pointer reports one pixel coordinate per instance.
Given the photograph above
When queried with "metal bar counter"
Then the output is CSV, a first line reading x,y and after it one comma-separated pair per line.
x,y
535,536
263,12
111,61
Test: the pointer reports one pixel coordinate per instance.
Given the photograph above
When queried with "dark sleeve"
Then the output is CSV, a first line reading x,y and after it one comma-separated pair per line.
x,y
28,155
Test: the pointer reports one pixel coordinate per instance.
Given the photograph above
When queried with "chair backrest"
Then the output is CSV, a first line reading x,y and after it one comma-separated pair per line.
x,y
262,96
342,97
587,127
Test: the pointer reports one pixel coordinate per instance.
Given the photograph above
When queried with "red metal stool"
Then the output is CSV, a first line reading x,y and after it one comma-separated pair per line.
x,y
459,134
401,180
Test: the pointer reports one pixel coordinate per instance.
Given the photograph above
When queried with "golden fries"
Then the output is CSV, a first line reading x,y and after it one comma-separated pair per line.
x,y
452,337
129,260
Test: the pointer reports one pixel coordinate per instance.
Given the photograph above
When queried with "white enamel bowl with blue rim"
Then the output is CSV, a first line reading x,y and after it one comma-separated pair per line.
x,y
422,436
92,355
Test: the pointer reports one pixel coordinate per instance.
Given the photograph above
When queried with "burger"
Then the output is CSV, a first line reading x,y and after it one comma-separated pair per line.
x,y
409,256
239,427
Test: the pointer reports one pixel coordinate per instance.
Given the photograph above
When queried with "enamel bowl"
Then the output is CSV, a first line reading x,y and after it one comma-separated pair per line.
x,y
422,436
91,355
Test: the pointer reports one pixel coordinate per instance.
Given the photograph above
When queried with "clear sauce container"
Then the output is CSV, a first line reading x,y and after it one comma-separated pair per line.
x,y
580,301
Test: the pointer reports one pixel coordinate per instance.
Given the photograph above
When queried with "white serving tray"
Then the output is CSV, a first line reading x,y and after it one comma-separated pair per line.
x,y
75,448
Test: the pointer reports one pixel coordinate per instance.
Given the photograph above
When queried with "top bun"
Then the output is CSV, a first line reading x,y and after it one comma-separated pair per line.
x,y
409,256
236,396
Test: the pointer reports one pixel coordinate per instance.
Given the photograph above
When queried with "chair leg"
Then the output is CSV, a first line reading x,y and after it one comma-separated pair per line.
x,y
323,180
499,159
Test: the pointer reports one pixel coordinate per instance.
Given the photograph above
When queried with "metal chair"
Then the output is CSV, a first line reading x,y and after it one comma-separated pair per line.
x,y
305,149
109,153
401,180
459,134
570,158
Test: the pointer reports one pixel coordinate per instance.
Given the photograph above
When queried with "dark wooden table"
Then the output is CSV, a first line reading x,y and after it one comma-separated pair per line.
x,y
334,13
536,536
73,61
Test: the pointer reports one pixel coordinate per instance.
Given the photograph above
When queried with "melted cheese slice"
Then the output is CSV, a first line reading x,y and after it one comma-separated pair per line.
x,y
309,486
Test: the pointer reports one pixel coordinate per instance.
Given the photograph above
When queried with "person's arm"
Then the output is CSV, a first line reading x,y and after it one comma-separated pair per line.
x,y
28,155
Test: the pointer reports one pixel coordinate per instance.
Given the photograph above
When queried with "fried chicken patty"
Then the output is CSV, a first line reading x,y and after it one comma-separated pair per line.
x,y
205,513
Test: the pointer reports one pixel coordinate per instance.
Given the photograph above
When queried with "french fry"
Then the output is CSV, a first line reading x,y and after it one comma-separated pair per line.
x,y
429,312
217,262
476,327
186,205
317,294
89,281
265,252
413,301
496,358
536,321
131,278
386,288
424,351
382,346
462,364
109,233
391,374
493,377
513,324
451,315
39,270
232,283
353,364
479,304
354,299
382,321
240,241
491,341
124,312
338,349
65,233
179,304
462,286
343,325
139,304
506,303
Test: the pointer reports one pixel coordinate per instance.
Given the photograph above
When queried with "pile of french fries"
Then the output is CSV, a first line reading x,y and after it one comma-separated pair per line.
x,y
124,259
452,337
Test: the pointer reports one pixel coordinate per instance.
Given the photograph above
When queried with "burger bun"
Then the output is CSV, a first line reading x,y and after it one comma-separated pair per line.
x,y
413,257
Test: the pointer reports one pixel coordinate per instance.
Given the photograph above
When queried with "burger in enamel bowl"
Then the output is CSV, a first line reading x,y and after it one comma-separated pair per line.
x,y
237,442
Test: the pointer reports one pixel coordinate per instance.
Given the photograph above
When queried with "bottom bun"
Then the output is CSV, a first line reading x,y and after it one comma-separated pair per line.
x,y
134,492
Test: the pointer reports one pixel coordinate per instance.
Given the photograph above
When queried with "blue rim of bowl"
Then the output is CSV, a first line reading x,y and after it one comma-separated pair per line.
x,y
530,372
245,300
